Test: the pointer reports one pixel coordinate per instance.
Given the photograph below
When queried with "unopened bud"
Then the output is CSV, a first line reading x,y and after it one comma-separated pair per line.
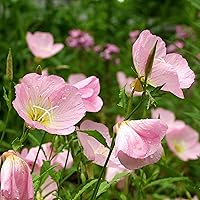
x,y
39,70
150,60
137,85
9,66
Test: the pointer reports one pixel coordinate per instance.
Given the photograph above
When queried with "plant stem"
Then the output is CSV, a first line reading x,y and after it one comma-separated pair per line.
x,y
61,175
38,152
135,109
103,169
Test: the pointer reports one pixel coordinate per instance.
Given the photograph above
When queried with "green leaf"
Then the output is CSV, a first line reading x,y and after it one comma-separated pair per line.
x,y
16,144
123,99
45,171
195,3
84,188
98,136
105,185
5,96
166,180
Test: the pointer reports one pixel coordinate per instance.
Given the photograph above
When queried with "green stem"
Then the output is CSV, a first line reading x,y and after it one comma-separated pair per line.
x,y
136,108
9,109
103,169
61,175
38,152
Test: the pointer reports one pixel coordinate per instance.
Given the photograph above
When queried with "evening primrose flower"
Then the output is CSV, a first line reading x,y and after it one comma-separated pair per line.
x,y
138,142
171,71
16,180
89,89
46,153
181,138
41,44
93,149
48,103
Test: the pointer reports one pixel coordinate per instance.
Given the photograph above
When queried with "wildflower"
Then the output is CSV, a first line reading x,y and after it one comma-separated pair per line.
x,y
173,47
94,150
109,52
16,180
89,89
171,71
138,142
182,32
133,35
181,138
48,103
41,44
79,39
47,153
47,190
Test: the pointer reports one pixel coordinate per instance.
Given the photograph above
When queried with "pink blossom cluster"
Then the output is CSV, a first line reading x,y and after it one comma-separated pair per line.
x,y
108,52
79,39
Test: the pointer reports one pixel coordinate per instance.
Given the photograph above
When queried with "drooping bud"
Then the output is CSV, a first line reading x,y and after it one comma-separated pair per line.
x,y
9,66
150,60
137,85
39,70
16,180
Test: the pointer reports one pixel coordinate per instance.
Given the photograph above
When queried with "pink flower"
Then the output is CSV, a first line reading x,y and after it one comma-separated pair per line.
x,y
16,180
41,44
109,51
181,32
47,190
138,142
125,82
181,138
46,153
112,172
79,39
89,89
173,47
170,70
94,150
133,35
48,103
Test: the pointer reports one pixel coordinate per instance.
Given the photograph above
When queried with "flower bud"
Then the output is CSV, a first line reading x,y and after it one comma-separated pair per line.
x,y
150,60
9,66
16,180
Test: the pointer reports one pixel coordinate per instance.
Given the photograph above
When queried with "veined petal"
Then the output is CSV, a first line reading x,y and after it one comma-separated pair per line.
x,y
136,163
142,47
185,74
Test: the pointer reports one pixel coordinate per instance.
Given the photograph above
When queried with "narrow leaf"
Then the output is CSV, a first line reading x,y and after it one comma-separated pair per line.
x,y
84,188
98,136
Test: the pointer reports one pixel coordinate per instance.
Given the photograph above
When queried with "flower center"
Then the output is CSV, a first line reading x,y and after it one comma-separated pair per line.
x,y
42,115
179,146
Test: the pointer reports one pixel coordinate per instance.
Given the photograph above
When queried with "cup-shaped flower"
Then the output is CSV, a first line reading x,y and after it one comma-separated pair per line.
x,y
47,153
16,180
181,138
41,44
89,89
138,142
171,71
93,149
48,103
